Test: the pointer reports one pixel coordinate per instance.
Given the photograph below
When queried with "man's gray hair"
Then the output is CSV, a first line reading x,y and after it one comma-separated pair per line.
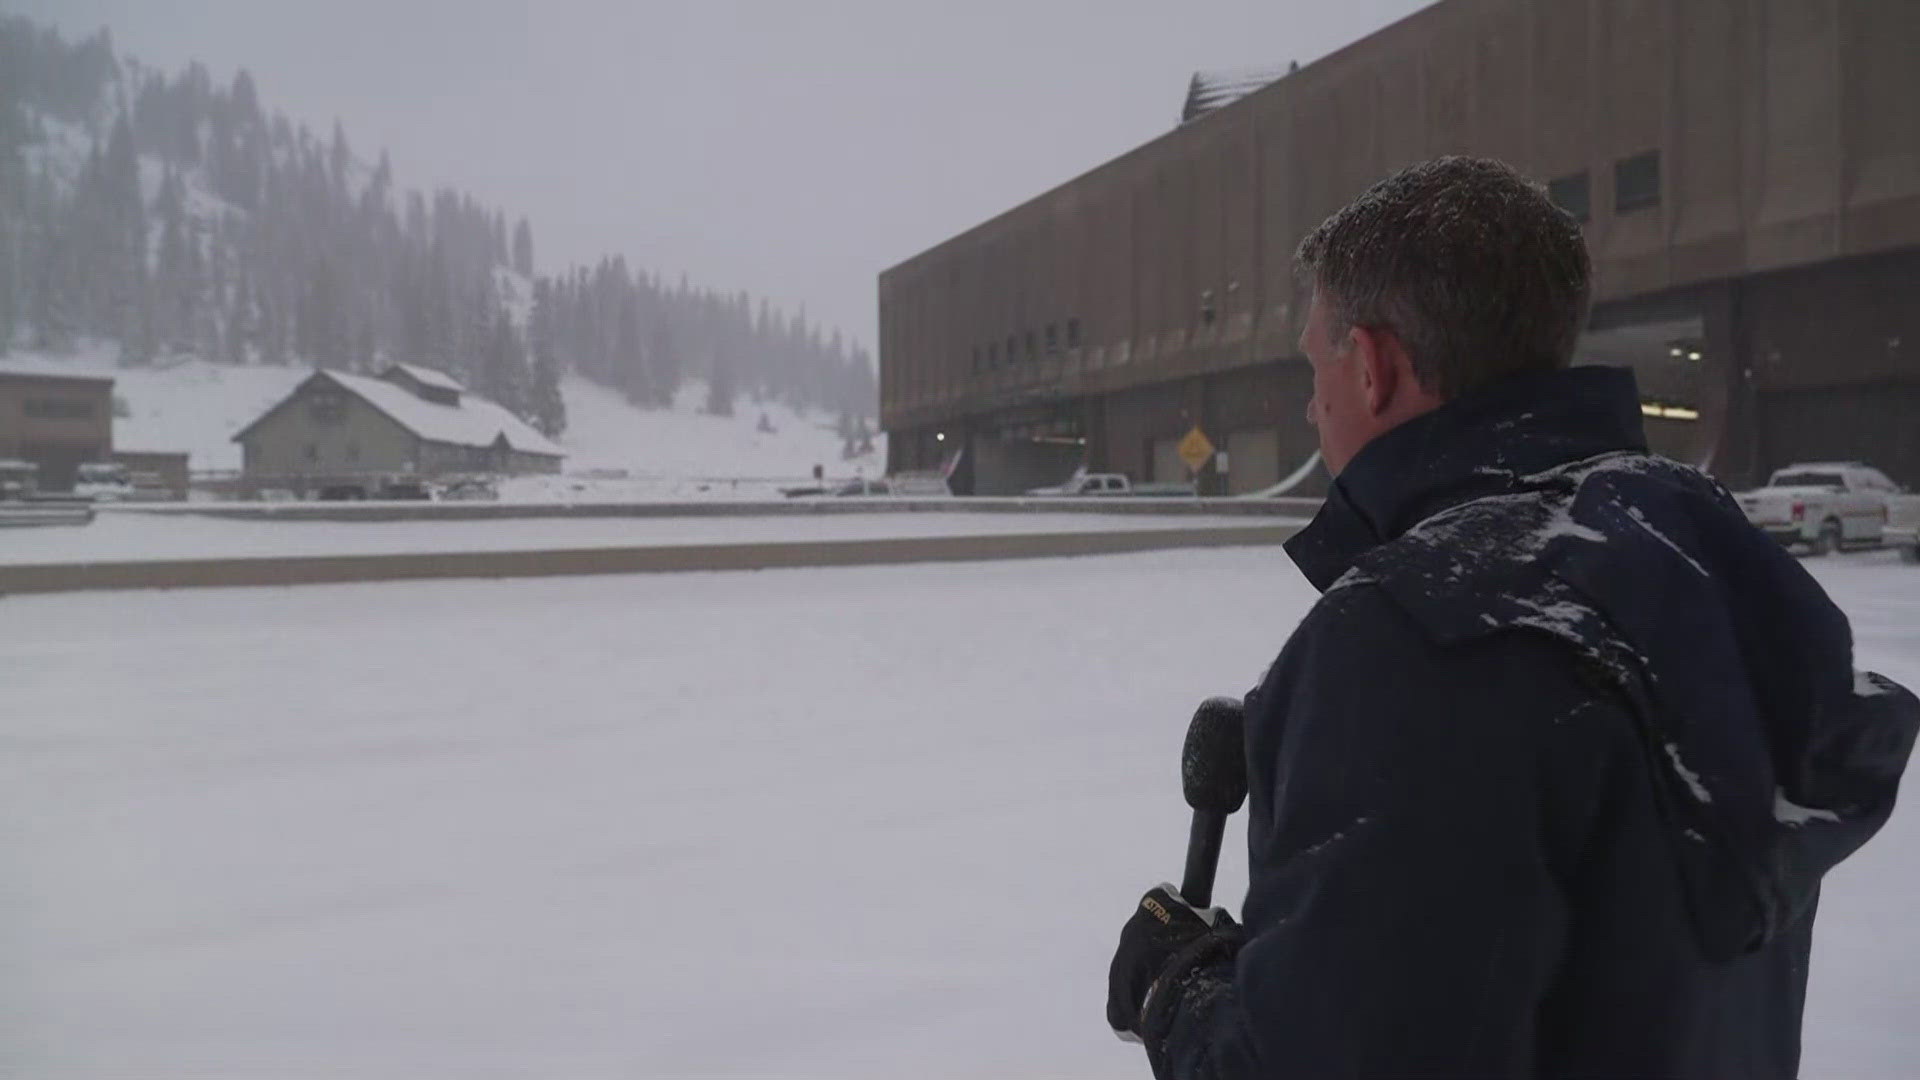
x,y
1469,264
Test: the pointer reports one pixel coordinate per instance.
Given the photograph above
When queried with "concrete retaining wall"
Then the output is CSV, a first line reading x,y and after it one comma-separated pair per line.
x,y
334,569
481,511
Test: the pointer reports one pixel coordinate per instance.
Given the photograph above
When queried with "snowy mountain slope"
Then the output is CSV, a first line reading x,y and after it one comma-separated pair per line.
x,y
176,216
605,432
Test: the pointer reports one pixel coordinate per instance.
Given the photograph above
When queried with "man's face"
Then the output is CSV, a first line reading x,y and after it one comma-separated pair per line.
x,y
1338,410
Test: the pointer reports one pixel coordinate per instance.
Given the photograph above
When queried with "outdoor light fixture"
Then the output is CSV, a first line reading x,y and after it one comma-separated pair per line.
x,y
1668,412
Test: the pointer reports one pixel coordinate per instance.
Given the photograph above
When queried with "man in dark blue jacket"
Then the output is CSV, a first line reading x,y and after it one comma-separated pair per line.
x,y
1545,783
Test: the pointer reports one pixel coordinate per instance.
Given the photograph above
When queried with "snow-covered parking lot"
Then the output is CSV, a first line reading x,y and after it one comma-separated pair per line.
x,y
840,822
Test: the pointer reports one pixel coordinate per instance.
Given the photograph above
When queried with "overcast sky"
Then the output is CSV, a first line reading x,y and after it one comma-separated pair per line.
x,y
793,149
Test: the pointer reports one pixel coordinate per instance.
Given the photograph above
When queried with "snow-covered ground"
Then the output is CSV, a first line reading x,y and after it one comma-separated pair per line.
x,y
133,536
197,406
873,822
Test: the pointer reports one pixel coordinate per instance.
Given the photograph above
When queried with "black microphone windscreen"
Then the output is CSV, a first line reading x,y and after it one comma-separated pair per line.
x,y
1213,767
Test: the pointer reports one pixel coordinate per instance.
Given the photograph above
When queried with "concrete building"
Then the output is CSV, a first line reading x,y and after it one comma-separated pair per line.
x,y
1748,172
353,430
57,422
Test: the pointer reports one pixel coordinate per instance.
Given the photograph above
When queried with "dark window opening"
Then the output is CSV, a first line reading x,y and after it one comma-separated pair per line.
x,y
1574,194
1073,333
327,409
1207,312
1636,182
1032,341
1053,339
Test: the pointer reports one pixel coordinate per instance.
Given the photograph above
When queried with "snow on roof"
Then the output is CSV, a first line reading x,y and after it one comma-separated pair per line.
x,y
474,422
51,369
427,376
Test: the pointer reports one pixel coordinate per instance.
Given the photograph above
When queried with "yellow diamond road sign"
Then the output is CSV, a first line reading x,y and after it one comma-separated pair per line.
x,y
1195,450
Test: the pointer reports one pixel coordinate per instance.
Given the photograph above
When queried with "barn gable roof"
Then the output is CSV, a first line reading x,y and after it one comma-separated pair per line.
x,y
475,421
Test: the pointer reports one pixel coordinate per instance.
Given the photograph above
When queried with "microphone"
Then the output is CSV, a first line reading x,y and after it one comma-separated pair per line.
x,y
1213,776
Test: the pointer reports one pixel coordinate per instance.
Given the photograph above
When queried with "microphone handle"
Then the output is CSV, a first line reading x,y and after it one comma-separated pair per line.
x,y
1203,857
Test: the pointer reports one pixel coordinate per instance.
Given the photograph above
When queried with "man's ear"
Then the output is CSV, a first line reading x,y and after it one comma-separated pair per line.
x,y
1376,354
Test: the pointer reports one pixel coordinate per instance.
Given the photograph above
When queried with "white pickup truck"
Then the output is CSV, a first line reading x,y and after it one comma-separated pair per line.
x,y
1824,505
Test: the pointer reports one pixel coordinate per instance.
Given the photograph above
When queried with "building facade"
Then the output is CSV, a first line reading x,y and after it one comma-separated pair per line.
x,y
57,422
1747,172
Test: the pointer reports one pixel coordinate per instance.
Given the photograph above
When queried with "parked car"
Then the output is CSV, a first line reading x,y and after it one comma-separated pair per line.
x,y
18,479
1086,483
1824,505
405,491
919,485
860,486
102,481
469,489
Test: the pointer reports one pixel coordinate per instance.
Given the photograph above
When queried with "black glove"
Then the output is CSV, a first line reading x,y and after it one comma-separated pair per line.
x,y
1164,941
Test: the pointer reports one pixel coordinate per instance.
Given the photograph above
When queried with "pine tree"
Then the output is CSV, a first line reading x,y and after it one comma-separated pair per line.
x,y
49,279
103,234
239,329
246,102
9,288
172,270
339,156
503,374
321,334
271,330
523,249
627,351
549,408
720,385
